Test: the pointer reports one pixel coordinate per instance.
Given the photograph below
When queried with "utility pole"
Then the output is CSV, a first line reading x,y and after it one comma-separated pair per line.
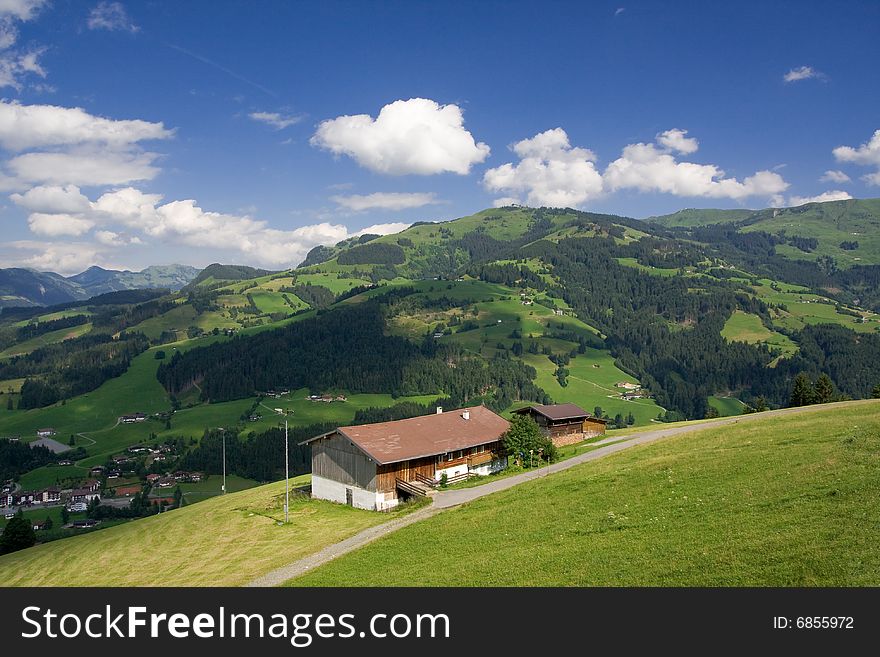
x,y
286,469
223,434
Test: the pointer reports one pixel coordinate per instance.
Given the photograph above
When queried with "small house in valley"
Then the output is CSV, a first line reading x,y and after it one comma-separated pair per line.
x,y
565,424
371,466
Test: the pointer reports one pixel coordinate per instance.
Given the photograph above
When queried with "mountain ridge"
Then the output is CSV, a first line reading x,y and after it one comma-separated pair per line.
x,y
21,286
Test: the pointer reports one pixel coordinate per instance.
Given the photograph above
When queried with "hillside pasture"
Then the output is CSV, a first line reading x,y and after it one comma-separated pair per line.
x,y
197,545
781,501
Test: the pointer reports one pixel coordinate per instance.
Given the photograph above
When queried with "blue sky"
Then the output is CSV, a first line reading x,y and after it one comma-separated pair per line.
x,y
137,133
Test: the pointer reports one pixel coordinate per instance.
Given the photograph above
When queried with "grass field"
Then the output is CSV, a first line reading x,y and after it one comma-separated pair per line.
x,y
653,271
787,501
51,337
224,541
746,327
726,406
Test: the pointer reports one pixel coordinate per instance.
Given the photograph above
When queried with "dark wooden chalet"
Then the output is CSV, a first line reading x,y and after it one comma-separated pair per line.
x,y
565,424
371,466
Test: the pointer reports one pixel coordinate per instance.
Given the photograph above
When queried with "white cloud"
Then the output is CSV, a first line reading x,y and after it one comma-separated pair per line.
x,y
834,176
383,229
803,73
23,10
52,199
619,11
872,178
111,238
415,136
393,201
62,257
121,217
647,168
274,119
550,172
675,140
23,127
60,146
111,16
56,225
868,154
16,64
86,168
835,195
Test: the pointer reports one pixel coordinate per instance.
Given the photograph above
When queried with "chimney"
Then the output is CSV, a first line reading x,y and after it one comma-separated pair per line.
x,y
439,410
466,415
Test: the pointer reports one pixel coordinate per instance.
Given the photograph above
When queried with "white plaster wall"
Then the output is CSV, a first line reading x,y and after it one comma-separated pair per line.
x,y
327,489
490,467
451,472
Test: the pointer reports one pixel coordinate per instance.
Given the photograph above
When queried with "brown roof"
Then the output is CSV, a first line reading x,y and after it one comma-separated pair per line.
x,y
557,411
426,435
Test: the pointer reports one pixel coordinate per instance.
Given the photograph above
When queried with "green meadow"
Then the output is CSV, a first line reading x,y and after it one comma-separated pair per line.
x,y
779,501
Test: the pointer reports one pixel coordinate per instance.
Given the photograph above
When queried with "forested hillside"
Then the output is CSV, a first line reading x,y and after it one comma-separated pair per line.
x,y
637,322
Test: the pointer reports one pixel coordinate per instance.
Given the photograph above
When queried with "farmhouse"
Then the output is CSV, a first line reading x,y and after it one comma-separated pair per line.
x,y
370,466
135,417
46,433
565,424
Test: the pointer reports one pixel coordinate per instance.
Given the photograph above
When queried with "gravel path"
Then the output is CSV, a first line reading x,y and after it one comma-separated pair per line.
x,y
452,498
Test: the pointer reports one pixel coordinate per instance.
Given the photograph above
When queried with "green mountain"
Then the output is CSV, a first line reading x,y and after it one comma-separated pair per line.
x,y
505,307
700,217
845,233
216,273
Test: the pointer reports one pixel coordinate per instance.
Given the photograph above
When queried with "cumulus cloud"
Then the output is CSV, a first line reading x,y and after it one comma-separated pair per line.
x,y
60,146
649,168
675,140
15,64
111,16
24,127
383,229
803,73
835,195
53,199
394,201
87,168
868,154
129,216
550,172
274,119
63,257
834,176
415,136
56,225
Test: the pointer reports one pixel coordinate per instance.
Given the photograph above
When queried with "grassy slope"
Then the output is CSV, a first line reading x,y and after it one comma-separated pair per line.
x,y
47,338
745,327
225,541
830,223
700,217
784,502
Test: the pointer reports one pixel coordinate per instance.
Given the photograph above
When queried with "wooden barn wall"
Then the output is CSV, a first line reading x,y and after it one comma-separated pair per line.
x,y
387,475
563,428
335,458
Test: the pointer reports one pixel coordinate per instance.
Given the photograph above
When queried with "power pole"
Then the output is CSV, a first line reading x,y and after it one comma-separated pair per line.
x,y
281,411
223,433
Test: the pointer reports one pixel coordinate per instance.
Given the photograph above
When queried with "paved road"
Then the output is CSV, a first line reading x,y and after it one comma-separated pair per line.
x,y
452,498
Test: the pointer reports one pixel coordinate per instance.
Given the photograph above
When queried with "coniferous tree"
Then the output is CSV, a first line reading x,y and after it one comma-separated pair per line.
x,y
801,391
18,535
823,390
